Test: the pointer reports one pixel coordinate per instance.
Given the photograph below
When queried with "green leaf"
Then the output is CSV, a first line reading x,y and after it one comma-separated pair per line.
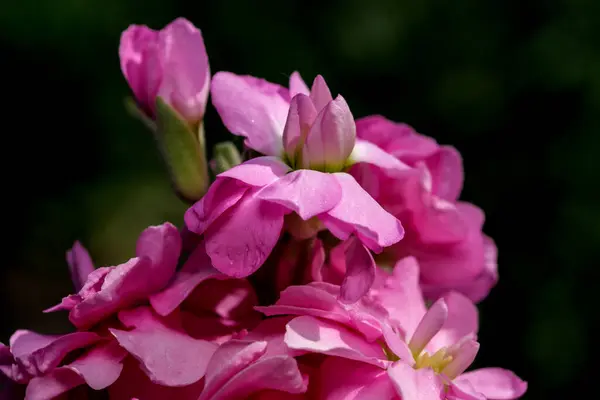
x,y
182,147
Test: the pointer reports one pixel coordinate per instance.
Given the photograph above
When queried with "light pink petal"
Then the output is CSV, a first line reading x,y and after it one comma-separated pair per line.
x,y
358,213
259,171
462,391
242,239
221,196
446,173
297,85
320,93
320,299
195,270
98,368
495,383
162,245
342,379
186,76
463,354
299,120
306,192
166,353
331,138
397,345
80,264
138,50
398,139
430,325
463,320
38,354
367,152
314,335
360,272
401,295
134,384
411,384
252,108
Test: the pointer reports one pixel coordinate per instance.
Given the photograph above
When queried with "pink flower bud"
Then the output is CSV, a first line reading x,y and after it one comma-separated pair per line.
x,y
171,63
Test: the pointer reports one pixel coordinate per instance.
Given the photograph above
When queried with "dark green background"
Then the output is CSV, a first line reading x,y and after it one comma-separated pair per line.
x,y
514,85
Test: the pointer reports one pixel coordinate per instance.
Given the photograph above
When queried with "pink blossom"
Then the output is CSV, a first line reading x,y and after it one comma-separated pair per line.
x,y
444,234
242,215
171,64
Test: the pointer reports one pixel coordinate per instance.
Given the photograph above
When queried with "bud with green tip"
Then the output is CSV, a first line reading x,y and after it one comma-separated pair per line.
x,y
225,156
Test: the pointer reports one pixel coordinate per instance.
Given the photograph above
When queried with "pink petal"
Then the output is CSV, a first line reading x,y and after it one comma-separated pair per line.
x,y
186,71
38,354
495,383
252,108
320,93
137,50
314,335
446,173
331,137
321,300
166,353
80,265
360,272
462,391
397,345
195,270
367,152
98,368
463,354
134,384
300,117
259,171
221,196
122,286
342,379
463,320
401,296
297,85
431,323
306,192
242,239
162,245
411,384
398,139
358,213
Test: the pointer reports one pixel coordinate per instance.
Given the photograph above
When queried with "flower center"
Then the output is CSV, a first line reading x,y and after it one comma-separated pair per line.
x,y
438,361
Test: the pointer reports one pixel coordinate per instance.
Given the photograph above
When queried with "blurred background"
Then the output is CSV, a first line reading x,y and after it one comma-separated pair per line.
x,y
514,85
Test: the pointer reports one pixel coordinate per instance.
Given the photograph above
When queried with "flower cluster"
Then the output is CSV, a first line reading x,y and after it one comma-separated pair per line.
x,y
333,261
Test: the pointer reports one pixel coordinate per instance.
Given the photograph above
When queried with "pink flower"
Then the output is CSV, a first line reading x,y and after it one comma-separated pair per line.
x,y
425,351
171,64
242,214
442,233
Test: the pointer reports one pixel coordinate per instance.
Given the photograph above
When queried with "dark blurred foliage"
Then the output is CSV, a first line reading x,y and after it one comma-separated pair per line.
x,y
514,85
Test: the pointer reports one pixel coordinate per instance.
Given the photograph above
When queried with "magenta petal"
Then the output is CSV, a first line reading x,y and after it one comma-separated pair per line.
x,y
360,272
341,379
252,108
463,320
162,245
259,171
495,383
186,73
98,368
320,93
299,120
166,353
306,192
196,269
358,213
315,335
221,196
297,85
242,238
446,173
411,384
38,354
80,265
